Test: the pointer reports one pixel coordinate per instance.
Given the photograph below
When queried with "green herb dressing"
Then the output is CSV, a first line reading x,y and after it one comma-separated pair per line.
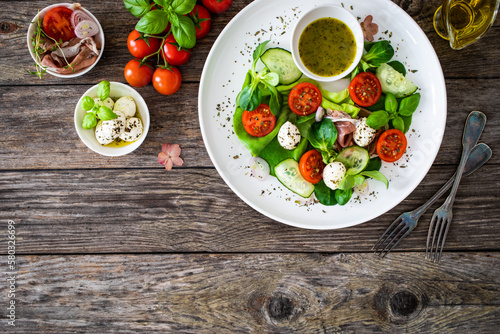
x,y
327,47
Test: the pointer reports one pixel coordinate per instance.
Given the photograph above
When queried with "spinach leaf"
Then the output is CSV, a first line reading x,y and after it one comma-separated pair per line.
x,y
374,174
378,53
373,164
137,7
409,104
183,7
398,66
154,22
323,135
377,119
343,196
325,195
185,32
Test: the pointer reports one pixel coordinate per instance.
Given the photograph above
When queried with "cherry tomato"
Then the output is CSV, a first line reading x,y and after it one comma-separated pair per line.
x,y
311,166
173,54
202,20
139,48
167,81
391,145
137,75
304,98
217,6
259,122
365,89
57,24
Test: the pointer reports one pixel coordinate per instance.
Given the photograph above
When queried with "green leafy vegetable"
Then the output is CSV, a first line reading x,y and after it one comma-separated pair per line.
x,y
94,111
138,8
325,195
398,123
88,103
103,90
106,114
185,32
391,104
374,164
398,66
153,22
343,196
374,174
378,53
409,104
377,119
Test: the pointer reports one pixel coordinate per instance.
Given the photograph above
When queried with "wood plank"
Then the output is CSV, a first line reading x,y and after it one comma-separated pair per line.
x,y
247,293
16,59
136,210
44,137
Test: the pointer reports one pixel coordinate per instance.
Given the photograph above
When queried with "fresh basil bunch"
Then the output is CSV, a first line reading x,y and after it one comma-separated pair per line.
x,y
399,114
169,11
250,96
95,111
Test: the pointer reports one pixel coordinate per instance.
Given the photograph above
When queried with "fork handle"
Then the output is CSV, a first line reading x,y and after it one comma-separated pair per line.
x,y
424,207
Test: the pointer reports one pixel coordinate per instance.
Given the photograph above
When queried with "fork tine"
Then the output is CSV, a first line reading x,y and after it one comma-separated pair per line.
x,y
431,227
397,242
377,245
437,222
441,232
444,239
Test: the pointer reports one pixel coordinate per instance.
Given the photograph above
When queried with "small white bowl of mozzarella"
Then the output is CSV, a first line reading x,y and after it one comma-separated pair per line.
x,y
121,135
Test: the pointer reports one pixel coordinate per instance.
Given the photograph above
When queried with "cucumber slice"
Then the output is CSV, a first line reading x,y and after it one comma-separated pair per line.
x,y
280,61
289,175
354,158
394,82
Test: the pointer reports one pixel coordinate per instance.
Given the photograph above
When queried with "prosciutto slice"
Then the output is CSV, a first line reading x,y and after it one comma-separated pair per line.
x,y
345,127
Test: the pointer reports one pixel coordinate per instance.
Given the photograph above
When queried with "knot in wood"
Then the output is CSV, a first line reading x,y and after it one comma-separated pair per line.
x,y
6,27
404,303
280,307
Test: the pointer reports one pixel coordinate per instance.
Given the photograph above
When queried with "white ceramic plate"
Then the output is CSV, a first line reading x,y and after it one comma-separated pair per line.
x,y
223,75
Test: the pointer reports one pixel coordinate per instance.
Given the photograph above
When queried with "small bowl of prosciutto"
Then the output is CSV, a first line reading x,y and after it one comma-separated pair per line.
x,y
65,40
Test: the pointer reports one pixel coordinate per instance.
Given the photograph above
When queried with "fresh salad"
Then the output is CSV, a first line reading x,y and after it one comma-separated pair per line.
x,y
322,143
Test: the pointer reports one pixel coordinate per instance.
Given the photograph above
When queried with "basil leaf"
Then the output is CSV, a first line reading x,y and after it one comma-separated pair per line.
x,y
174,19
377,119
398,66
137,7
407,120
325,195
153,22
391,104
183,6
375,174
106,114
323,135
399,124
185,32
89,121
88,103
409,104
103,90
343,196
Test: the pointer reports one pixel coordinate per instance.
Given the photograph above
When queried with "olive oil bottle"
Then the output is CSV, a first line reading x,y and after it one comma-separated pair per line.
x,y
463,22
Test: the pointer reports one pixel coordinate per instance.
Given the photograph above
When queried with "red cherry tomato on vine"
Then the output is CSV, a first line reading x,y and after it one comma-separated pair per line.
x,y
57,24
139,48
138,75
167,81
391,145
304,98
217,6
202,20
365,89
311,166
259,122
173,54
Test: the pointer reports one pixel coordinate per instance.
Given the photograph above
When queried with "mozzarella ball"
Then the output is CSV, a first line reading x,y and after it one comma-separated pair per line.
x,y
107,103
126,105
289,136
133,129
107,131
333,173
363,135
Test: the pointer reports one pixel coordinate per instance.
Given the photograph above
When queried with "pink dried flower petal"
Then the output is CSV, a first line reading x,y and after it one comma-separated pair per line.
x,y
168,164
162,158
369,28
177,161
174,150
170,155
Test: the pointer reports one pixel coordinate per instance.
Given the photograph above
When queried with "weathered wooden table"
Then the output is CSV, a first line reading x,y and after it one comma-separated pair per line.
x,y
120,245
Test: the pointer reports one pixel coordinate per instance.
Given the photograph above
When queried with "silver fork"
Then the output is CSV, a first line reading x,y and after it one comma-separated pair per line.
x,y
407,221
441,219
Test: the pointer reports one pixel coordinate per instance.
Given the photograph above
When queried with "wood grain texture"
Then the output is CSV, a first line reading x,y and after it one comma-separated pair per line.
x,y
137,210
258,293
